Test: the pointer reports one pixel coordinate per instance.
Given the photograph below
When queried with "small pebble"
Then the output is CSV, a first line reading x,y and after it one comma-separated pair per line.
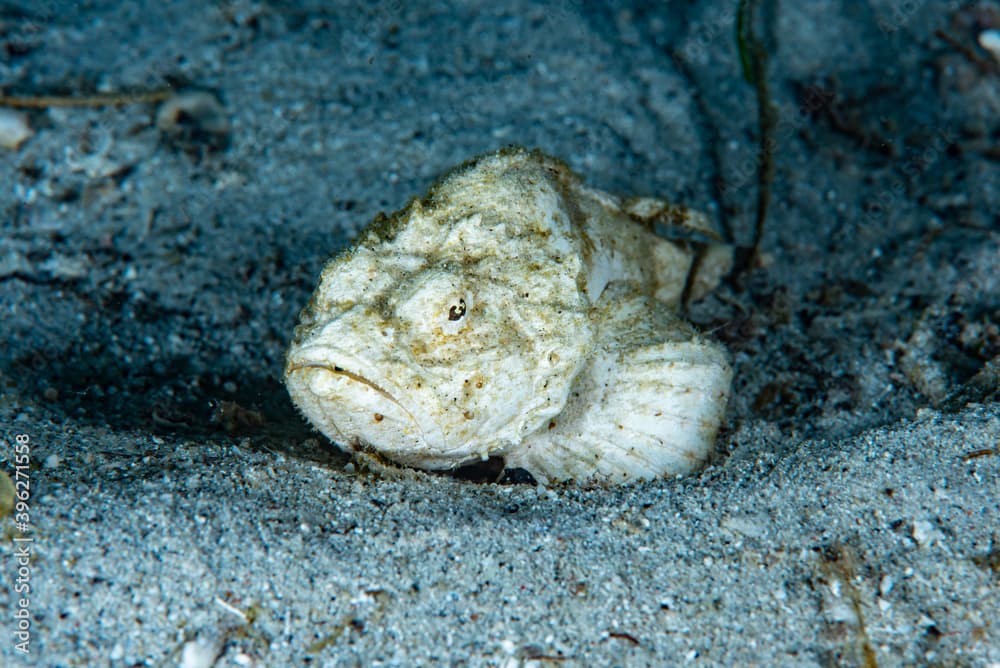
x,y
922,531
198,655
194,118
14,129
990,40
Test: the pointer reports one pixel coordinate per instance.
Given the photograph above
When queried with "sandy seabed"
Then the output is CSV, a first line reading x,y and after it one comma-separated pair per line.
x,y
152,268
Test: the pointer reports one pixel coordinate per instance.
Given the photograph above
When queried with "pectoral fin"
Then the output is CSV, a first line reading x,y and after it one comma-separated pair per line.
x,y
649,403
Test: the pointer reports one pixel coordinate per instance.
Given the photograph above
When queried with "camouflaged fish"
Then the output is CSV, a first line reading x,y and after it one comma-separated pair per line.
x,y
515,312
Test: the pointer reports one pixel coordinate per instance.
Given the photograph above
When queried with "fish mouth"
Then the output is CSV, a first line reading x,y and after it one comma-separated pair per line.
x,y
357,378
352,404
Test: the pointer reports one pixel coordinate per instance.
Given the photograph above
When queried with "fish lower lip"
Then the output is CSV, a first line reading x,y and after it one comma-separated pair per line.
x,y
340,369
358,378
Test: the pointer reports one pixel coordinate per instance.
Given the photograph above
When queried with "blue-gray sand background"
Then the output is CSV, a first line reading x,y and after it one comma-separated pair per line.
x,y
182,513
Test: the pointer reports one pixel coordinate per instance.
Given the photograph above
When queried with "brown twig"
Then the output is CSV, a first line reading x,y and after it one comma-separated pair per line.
x,y
839,562
984,64
753,55
95,100
976,454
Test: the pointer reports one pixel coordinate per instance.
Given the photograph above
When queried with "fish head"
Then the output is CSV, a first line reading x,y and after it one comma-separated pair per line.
x,y
447,334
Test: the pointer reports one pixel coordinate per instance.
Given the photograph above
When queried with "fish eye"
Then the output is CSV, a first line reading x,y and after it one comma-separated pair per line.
x,y
457,310
440,302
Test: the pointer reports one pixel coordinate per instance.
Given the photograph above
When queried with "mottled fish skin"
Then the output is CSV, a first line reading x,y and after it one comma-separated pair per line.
x,y
515,312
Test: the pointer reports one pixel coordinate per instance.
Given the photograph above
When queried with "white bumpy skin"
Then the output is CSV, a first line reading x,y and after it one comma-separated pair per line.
x,y
514,312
